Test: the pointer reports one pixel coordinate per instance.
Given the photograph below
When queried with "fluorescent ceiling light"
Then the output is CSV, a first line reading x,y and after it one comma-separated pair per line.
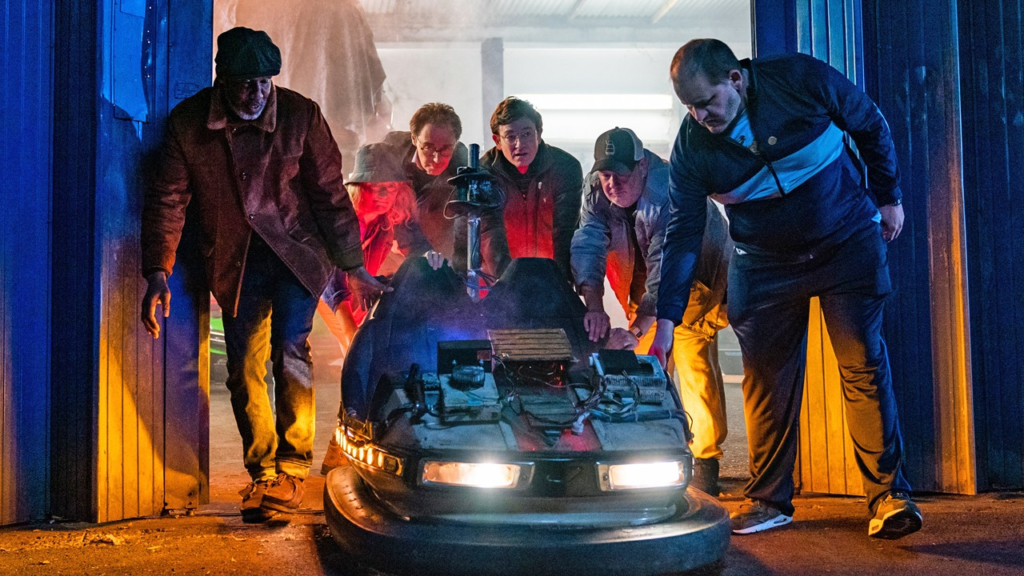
x,y
649,125
599,101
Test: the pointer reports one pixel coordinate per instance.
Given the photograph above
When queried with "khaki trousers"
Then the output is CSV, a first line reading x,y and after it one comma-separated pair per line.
x,y
698,376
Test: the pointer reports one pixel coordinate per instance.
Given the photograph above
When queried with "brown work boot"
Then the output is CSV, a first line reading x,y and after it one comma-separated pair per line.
x,y
334,457
705,476
252,500
284,494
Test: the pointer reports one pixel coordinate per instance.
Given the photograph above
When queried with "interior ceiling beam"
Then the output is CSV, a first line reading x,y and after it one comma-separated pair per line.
x,y
577,8
541,29
665,8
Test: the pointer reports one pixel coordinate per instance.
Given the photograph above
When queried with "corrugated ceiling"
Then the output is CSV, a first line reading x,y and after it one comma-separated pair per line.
x,y
569,9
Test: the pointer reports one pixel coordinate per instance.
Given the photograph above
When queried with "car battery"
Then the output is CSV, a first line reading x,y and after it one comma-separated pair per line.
x,y
453,353
630,376
462,401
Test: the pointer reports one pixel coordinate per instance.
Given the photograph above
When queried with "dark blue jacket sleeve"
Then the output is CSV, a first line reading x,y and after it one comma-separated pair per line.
x,y
685,233
853,111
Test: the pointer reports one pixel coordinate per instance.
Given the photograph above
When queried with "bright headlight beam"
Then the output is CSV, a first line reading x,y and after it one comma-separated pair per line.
x,y
471,474
646,475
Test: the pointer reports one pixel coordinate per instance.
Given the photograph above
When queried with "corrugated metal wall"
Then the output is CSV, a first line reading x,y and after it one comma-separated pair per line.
x,y
129,433
24,258
992,81
912,64
151,395
76,89
185,352
130,403
829,31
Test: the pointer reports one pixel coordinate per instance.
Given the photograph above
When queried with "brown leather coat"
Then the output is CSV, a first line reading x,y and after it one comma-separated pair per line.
x,y
279,175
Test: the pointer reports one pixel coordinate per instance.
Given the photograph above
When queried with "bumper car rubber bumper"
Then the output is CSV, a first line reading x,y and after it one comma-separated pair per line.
x,y
375,537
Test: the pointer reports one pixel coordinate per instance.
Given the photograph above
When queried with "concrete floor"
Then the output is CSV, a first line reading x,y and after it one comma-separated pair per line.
x,y
981,535
962,535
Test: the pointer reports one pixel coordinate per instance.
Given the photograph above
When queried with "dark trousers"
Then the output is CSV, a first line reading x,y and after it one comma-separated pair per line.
x,y
769,298
275,317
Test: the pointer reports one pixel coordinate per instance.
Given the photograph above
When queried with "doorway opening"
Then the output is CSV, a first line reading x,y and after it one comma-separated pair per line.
x,y
587,66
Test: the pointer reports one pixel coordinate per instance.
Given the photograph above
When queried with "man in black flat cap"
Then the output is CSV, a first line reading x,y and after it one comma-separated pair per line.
x,y
275,221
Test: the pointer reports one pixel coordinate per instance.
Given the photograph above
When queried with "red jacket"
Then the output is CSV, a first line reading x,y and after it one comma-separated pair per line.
x,y
538,223
379,237
279,175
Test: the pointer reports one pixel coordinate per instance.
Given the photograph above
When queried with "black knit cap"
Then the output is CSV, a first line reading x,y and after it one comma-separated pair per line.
x,y
246,53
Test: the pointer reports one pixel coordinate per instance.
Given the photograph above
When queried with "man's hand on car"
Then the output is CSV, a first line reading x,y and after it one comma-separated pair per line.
x,y
365,288
662,343
622,339
596,321
435,259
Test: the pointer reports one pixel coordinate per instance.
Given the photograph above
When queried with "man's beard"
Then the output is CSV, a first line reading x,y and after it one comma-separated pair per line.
x,y
247,116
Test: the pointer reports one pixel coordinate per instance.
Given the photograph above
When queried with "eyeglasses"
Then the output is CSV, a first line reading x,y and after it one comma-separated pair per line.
x,y
428,149
511,138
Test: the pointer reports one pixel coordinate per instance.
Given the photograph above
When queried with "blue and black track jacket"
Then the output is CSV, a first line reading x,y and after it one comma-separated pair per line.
x,y
796,188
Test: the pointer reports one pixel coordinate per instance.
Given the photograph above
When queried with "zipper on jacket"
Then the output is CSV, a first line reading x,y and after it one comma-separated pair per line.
x,y
755,150
771,169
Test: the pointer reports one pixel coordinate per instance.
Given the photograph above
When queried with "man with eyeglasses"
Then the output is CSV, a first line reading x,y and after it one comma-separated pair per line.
x,y
541,186
430,154
622,234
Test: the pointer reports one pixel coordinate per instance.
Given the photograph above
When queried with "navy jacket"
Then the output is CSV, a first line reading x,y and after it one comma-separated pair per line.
x,y
794,190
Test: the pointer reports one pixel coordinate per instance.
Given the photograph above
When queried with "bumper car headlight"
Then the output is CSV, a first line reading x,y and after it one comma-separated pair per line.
x,y
642,475
471,474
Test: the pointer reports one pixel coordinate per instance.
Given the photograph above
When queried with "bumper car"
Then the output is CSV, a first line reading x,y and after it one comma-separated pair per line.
x,y
491,436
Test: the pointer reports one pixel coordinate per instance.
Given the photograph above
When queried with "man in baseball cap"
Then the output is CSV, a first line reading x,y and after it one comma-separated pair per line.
x,y
617,150
622,232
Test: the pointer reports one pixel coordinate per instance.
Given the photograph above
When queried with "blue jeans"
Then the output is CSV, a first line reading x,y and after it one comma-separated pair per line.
x,y
275,317
769,299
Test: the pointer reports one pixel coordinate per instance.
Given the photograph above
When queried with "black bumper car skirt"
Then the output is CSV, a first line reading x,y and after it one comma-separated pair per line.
x,y
377,538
